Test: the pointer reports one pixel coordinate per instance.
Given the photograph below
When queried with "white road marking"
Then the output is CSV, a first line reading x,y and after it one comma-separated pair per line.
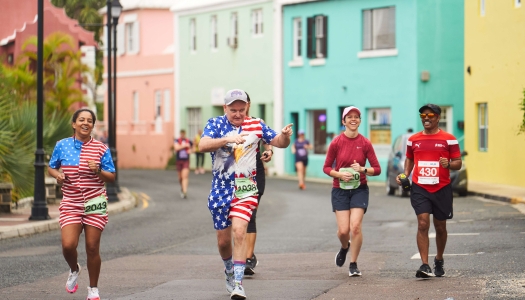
x,y
432,235
417,256
469,220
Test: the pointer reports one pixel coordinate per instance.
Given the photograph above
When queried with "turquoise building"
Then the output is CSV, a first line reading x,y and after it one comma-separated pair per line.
x,y
387,57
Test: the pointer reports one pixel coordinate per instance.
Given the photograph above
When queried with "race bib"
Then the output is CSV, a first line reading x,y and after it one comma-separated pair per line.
x,y
183,154
245,187
353,183
428,172
96,206
301,152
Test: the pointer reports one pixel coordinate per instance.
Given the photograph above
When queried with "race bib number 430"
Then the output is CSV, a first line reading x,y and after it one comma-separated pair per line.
x,y
96,206
428,172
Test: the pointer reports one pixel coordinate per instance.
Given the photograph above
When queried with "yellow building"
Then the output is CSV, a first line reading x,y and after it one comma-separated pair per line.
x,y
494,85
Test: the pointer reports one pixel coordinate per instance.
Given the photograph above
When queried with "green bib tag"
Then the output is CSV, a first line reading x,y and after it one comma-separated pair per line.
x,y
354,183
245,187
96,206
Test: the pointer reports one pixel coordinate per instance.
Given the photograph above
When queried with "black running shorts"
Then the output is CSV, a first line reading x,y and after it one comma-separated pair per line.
x,y
439,203
347,199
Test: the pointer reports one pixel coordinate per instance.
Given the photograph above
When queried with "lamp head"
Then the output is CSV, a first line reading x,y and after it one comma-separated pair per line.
x,y
116,10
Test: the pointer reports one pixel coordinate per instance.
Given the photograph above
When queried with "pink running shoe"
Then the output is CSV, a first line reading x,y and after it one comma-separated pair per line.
x,y
93,293
71,284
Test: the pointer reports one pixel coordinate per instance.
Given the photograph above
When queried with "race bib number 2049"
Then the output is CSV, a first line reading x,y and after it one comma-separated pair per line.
x,y
428,172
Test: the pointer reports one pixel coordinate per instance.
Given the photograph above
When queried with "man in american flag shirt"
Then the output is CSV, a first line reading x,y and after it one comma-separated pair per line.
x,y
232,140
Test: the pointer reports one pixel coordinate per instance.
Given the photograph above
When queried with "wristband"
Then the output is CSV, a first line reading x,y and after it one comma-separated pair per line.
x,y
98,171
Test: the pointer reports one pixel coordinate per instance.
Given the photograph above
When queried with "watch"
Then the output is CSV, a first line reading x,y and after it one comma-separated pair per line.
x,y
365,171
98,171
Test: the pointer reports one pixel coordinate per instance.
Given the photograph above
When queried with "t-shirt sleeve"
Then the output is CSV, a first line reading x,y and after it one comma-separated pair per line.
x,y
330,158
453,147
54,162
410,152
106,162
268,134
210,129
372,158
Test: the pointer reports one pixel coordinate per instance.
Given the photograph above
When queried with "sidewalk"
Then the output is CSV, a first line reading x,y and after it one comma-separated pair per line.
x,y
17,223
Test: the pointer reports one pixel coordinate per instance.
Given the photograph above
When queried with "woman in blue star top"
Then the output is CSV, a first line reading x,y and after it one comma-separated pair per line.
x,y
86,164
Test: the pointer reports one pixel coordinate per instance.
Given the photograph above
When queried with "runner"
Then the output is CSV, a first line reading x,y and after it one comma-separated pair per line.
x,y
86,164
251,233
232,140
183,147
431,154
300,149
199,166
349,152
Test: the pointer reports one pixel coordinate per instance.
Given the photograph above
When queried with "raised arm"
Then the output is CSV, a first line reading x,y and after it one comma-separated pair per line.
x,y
282,140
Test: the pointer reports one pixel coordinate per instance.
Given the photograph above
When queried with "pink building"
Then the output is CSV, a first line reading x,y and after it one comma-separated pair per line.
x,y
145,84
19,22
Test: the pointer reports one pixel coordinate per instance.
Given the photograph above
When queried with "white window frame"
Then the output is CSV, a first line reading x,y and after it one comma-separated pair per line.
x,y
319,147
482,8
136,107
194,121
483,109
257,22
297,57
446,118
213,33
369,47
167,105
319,35
158,104
517,3
234,30
193,35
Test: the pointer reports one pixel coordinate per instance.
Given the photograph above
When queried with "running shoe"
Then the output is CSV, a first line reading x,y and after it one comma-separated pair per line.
x,y
93,293
424,272
71,284
340,257
238,292
302,186
251,263
439,271
353,270
230,281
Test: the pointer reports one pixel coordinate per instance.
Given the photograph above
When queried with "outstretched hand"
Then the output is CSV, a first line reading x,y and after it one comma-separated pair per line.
x,y
287,130
238,138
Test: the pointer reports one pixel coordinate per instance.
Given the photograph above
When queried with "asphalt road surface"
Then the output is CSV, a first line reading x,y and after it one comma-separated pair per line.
x,y
166,249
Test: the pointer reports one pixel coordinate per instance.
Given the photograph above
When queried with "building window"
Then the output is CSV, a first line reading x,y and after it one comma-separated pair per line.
x,y
136,106
297,38
257,22
167,105
318,118
379,28
213,33
483,125
482,8
193,35
232,39
158,104
194,121
132,37
517,3
445,119
317,46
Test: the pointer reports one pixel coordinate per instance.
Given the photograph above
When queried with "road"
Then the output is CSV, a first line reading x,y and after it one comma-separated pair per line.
x,y
166,249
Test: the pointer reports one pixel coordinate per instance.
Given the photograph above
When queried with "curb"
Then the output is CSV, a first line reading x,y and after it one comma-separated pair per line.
x,y
511,200
126,202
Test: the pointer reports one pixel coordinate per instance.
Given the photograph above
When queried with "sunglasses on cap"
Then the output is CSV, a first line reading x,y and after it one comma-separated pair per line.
x,y
430,115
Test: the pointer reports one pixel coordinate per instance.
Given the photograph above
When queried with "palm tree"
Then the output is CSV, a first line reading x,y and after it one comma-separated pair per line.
x,y
85,11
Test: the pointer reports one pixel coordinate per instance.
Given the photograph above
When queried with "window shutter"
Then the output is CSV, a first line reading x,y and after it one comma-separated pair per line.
x,y
136,37
324,41
121,39
310,42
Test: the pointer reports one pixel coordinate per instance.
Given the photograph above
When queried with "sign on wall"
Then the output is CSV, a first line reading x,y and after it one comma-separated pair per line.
x,y
379,130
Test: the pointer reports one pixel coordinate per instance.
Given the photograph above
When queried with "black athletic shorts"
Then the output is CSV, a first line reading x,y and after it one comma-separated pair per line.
x,y
439,203
347,199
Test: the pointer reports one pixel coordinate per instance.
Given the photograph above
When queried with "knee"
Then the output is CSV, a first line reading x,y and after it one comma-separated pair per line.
x,y
343,232
355,229
239,234
92,250
423,225
223,243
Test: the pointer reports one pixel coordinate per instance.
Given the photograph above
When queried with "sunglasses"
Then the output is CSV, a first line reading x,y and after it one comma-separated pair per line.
x,y
430,115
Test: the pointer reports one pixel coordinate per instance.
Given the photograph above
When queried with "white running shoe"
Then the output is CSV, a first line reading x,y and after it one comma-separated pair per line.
x,y
238,293
93,293
71,284
230,282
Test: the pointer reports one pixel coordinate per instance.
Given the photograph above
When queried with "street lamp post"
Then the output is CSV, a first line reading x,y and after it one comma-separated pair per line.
x,y
117,10
39,211
113,7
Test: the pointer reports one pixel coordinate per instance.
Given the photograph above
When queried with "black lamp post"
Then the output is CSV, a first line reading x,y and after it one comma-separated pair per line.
x,y
39,211
117,10
114,9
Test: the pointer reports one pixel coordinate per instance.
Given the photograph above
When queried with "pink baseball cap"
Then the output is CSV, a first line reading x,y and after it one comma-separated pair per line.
x,y
349,109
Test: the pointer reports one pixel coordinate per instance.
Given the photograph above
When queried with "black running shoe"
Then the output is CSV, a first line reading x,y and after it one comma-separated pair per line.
x,y
251,263
340,257
439,271
424,271
353,270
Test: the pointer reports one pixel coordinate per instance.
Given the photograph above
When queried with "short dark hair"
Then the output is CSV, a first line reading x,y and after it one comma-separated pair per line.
x,y
77,113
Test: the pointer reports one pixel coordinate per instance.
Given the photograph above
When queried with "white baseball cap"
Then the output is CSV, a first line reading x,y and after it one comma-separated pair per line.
x,y
234,95
349,109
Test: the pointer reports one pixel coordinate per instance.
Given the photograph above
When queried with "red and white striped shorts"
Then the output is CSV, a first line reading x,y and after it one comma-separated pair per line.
x,y
243,208
72,212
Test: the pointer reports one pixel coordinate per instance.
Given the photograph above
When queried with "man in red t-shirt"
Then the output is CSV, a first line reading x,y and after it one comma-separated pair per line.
x,y
431,154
